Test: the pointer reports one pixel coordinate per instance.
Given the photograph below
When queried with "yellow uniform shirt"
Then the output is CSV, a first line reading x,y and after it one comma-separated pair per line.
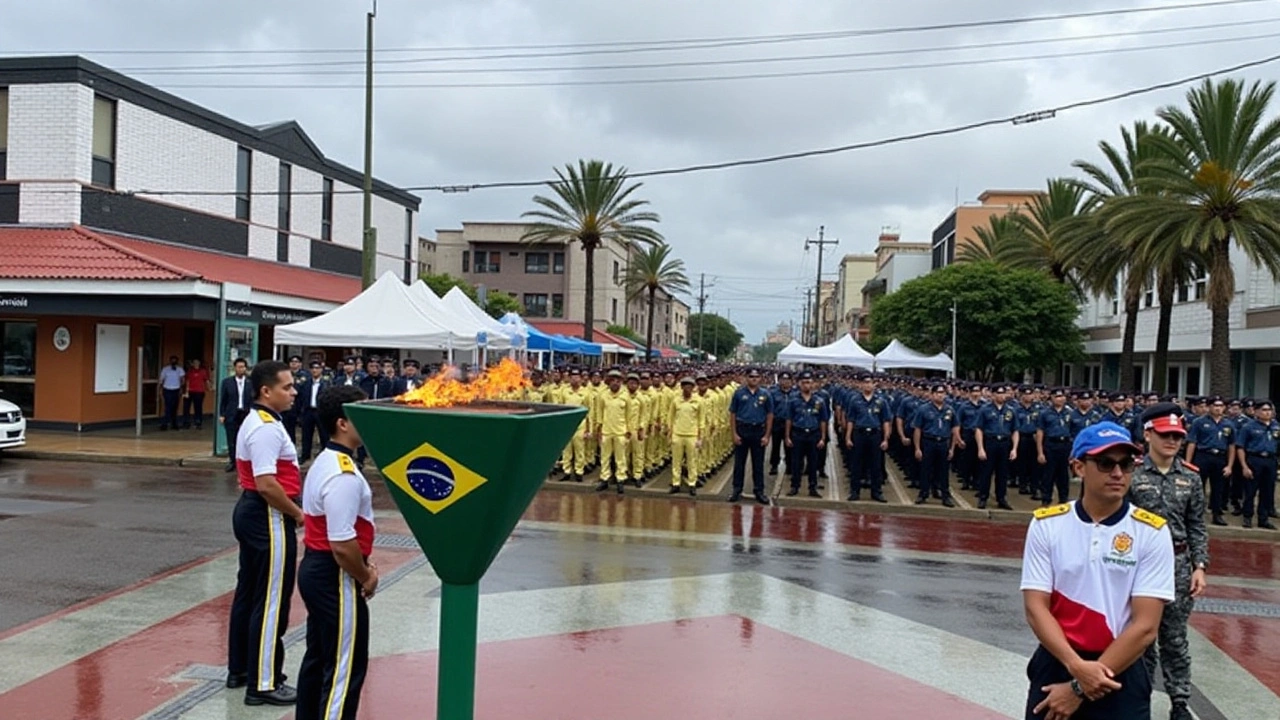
x,y
619,413
685,416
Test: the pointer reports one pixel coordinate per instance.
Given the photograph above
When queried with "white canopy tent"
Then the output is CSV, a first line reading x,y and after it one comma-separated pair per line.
x,y
457,322
457,301
845,351
384,315
897,356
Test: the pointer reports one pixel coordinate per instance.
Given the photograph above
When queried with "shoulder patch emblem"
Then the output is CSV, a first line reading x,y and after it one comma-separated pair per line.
x,y
1149,518
1051,511
266,417
345,464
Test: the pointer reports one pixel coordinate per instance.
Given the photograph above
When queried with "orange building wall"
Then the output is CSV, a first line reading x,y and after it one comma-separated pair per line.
x,y
971,217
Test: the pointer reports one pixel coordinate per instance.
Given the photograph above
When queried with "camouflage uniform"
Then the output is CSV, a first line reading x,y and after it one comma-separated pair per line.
x,y
1179,498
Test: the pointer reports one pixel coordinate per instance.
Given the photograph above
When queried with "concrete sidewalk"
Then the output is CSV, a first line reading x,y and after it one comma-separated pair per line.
x,y
187,448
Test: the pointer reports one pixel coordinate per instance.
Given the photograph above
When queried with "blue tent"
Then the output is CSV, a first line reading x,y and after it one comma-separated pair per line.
x,y
581,347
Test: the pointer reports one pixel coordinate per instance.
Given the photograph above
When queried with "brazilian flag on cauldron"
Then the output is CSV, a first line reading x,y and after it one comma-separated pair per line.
x,y
462,478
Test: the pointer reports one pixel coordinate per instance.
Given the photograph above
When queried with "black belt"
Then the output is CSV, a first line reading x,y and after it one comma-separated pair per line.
x,y
258,496
867,430
804,430
1211,451
1058,439
1259,454
1000,438
935,438
1179,548
750,425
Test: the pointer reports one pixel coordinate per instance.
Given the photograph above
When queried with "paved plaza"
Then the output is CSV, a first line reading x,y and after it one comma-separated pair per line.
x,y
118,583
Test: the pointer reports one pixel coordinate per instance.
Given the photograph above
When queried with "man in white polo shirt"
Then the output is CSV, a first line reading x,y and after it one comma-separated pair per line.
x,y
1096,573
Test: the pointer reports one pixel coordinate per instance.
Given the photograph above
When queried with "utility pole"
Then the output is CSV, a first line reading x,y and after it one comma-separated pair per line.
x,y
821,242
369,246
804,324
702,310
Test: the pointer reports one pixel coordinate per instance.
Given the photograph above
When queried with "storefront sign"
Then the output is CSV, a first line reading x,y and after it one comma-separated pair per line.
x,y
122,306
16,302
265,315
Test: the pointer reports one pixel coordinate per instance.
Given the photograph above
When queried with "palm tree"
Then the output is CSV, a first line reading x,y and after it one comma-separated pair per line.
x,y
1212,186
592,205
653,269
1000,233
1046,226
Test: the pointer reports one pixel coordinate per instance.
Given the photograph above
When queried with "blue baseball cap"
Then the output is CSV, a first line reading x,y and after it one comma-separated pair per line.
x,y
1100,438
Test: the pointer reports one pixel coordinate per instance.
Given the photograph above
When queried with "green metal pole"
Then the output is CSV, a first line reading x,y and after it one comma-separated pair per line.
x,y
456,676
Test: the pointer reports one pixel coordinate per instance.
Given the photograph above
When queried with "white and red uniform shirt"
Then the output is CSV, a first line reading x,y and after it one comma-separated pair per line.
x,y
337,503
263,447
1092,570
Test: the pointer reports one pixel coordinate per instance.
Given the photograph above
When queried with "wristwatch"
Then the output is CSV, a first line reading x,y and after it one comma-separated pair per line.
x,y
1075,688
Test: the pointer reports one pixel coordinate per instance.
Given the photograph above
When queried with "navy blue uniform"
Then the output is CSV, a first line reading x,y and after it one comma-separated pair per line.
x,y
967,466
751,411
1026,470
778,450
906,414
1215,442
934,425
807,419
1081,420
1259,444
997,423
866,418
1057,436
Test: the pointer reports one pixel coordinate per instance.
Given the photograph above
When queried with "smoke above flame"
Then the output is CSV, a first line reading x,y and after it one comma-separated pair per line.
x,y
499,382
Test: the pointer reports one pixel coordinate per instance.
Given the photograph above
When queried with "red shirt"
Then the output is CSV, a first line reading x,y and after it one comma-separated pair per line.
x,y
197,380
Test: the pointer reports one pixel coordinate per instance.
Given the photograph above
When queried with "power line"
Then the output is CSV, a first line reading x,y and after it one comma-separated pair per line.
x,y
1048,113
621,46
721,78
308,68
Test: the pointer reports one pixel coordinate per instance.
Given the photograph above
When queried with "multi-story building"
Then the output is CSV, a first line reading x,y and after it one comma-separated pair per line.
x,y
959,227
896,263
855,271
131,218
1255,338
820,325
548,280
426,256
781,335
670,318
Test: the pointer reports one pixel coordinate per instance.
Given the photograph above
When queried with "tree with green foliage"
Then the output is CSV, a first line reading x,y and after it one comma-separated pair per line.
x,y
496,304
626,332
994,239
653,269
766,352
1008,321
591,205
713,334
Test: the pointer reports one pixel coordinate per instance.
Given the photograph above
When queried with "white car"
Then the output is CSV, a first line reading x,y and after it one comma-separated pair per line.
x,y
13,427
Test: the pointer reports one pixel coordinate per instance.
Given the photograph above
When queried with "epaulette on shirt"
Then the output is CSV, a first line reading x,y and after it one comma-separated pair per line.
x,y
266,417
1190,467
345,464
1051,511
1148,517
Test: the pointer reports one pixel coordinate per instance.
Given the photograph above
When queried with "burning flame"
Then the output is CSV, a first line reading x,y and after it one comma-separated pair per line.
x,y
503,381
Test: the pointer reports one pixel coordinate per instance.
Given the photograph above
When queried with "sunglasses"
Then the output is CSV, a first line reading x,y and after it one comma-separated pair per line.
x,y
1108,465
1171,435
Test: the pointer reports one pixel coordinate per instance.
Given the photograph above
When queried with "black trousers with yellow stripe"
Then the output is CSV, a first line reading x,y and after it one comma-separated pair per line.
x,y
337,657
264,589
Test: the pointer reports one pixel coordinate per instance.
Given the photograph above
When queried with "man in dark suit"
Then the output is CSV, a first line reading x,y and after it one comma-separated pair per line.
x,y
234,396
374,384
409,377
306,407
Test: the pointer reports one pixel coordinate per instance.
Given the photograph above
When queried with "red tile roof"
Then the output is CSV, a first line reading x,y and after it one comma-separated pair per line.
x,y
78,253
74,253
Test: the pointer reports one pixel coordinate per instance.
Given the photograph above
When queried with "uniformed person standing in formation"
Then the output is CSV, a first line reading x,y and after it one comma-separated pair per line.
x,y
1053,448
409,377
619,419
867,427
1211,447
751,418
307,408
968,413
336,578
644,416
292,416
573,461
936,433
686,423
1026,470
807,419
1257,455
778,451
1167,486
997,438
265,521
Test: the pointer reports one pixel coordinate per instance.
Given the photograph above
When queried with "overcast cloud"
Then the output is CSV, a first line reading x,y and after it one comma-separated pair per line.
x,y
745,227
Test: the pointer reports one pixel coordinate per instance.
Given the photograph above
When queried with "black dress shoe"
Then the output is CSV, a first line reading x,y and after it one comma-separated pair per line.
x,y
948,502
230,467
815,493
602,486
762,499
1237,512
879,498
237,680
793,492
1266,525
773,471
693,492
982,504
1219,521
735,497
854,497
620,490
674,489
1004,505
283,695
922,500
1248,523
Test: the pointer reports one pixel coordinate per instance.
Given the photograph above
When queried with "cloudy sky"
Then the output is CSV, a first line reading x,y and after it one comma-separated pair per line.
x,y
464,116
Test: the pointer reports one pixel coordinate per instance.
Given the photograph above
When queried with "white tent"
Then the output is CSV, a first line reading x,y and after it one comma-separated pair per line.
x,y
384,315
845,351
897,356
458,302
458,323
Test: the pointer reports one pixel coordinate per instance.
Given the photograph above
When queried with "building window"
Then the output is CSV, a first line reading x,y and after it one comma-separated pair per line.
x,y
244,181
535,304
326,210
466,261
557,263
616,278
4,130
537,263
408,245
557,305
488,262
613,317
104,142
1200,285
284,206
18,374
